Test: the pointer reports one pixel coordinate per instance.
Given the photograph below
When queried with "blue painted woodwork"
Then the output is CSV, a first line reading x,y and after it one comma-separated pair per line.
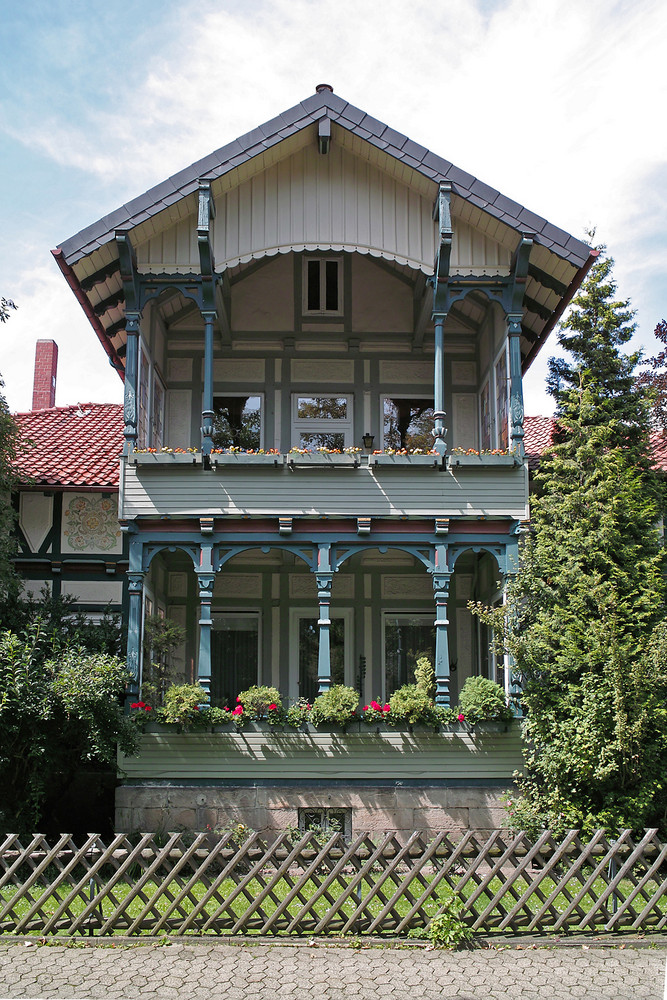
x,y
207,409
131,380
324,579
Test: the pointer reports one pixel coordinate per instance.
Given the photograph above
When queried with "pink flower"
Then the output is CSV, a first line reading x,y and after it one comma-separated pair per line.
x,y
272,708
461,717
365,708
375,706
387,708
238,710
238,697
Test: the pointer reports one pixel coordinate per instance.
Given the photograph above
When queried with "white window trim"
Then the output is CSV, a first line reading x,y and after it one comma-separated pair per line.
x,y
429,617
309,425
221,393
304,287
157,379
295,615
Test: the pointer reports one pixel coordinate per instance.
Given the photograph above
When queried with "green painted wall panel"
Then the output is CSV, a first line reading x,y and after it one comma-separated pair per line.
x,y
247,755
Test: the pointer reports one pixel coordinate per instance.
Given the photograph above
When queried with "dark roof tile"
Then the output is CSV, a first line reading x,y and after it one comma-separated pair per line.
x,y
414,149
532,221
462,177
373,126
395,138
507,206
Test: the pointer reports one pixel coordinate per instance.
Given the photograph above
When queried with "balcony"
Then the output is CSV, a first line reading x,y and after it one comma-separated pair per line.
x,y
280,485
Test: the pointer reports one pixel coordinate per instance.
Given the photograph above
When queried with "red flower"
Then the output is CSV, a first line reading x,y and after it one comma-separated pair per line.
x,y
147,708
387,708
461,717
375,706
365,708
272,708
238,697
238,710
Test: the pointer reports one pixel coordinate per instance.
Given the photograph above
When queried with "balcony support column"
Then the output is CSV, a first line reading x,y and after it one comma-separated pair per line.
x,y
135,576
439,387
441,581
207,400
205,583
324,579
131,383
516,386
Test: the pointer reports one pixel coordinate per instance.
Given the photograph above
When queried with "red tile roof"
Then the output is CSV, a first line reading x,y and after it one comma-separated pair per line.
x,y
538,431
72,445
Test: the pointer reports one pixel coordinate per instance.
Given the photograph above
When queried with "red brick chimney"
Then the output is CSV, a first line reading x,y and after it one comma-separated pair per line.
x,y
46,367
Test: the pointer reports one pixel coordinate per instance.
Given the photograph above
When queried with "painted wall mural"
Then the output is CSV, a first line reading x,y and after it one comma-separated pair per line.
x,y
90,523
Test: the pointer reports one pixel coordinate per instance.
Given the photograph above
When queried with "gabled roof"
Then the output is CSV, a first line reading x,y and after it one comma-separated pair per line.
x,y
72,446
89,260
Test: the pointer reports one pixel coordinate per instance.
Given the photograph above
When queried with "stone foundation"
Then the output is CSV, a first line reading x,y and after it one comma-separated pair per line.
x,y
268,809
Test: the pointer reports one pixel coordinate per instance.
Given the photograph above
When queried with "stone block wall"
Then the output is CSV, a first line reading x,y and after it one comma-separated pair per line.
x,y
268,809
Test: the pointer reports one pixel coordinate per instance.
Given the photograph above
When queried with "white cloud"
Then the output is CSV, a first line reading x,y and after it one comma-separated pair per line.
x,y
552,103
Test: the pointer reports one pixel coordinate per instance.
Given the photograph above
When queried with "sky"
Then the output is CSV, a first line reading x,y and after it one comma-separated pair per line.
x,y
559,104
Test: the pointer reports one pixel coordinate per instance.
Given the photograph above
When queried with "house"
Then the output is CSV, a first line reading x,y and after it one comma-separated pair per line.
x,y
69,539
322,329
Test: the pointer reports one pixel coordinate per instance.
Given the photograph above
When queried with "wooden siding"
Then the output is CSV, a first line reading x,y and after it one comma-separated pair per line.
x,y
490,492
312,202
284,755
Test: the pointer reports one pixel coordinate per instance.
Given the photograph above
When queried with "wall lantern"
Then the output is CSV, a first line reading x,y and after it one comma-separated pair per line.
x,y
368,440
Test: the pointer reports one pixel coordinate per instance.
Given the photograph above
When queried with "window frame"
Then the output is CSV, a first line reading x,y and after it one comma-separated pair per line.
x,y
312,611
388,613
299,425
248,394
400,395
322,261
256,614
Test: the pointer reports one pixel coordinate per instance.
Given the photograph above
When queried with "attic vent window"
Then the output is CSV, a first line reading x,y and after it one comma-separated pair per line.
x,y
323,286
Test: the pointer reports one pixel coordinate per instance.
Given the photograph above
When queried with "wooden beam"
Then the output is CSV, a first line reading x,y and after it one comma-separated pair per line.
x,y
98,276
422,309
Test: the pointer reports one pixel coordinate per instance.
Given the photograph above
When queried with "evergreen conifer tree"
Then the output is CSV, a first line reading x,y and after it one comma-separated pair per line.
x,y
584,615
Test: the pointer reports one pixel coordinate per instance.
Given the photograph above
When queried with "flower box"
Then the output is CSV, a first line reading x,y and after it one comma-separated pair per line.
x,y
462,461
152,458
400,461
322,459
235,458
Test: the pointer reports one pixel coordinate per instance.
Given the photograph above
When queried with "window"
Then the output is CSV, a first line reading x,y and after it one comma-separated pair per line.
x,y
304,650
237,422
501,401
322,285
406,638
407,423
144,400
485,406
326,820
157,415
234,655
322,422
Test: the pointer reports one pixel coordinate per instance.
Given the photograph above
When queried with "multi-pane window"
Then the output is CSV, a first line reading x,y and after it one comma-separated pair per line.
x,y
406,638
157,415
237,422
323,285
408,423
501,401
485,406
143,408
309,644
322,422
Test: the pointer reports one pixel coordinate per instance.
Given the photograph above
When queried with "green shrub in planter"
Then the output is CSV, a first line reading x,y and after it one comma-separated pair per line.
x,y
261,703
186,704
337,706
411,704
482,700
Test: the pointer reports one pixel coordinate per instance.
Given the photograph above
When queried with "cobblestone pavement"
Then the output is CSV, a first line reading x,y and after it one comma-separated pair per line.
x,y
235,972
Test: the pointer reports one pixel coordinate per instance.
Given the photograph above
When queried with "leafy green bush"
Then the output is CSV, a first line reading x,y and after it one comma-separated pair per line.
x,y
298,713
425,676
411,704
187,705
261,702
56,714
482,700
448,930
337,706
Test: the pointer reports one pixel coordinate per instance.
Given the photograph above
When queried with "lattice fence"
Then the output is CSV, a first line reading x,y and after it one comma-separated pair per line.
x,y
311,884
